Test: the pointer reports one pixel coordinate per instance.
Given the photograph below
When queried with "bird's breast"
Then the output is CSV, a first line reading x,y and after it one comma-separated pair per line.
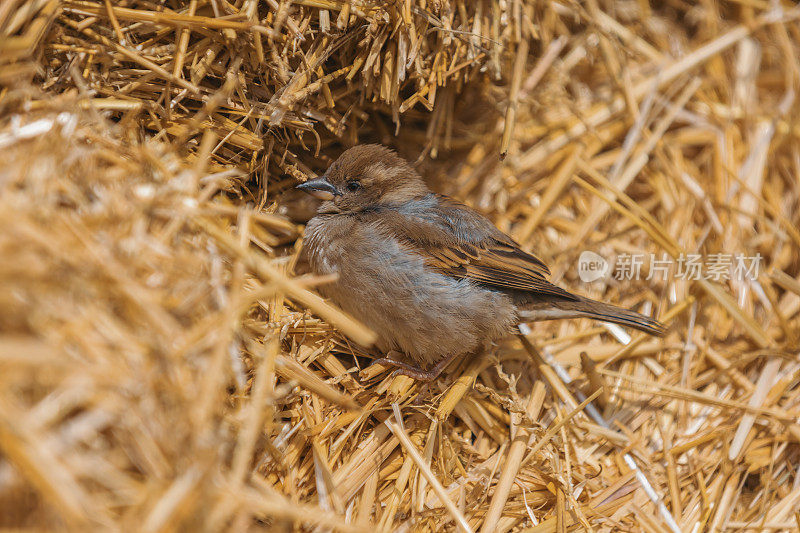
x,y
322,241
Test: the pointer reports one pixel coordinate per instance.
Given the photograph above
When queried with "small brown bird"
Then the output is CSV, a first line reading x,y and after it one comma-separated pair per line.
x,y
432,277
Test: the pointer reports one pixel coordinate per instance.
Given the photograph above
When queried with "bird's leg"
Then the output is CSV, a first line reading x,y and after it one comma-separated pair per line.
x,y
416,372
389,360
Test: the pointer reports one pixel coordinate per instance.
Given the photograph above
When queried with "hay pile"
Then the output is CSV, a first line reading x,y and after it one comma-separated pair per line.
x,y
162,367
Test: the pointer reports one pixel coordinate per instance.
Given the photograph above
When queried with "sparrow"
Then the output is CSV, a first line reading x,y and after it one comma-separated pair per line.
x,y
433,278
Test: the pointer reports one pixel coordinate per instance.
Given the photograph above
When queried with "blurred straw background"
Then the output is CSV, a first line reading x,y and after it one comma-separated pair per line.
x,y
166,366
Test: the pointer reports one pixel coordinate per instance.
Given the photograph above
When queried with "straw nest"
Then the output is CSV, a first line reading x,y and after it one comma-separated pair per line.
x,y
162,367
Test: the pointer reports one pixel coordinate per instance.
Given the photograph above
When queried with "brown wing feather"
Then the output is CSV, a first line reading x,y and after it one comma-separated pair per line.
x,y
471,247
494,264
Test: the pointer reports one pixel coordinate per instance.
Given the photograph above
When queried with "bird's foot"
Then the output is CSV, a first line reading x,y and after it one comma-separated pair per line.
x,y
415,372
407,369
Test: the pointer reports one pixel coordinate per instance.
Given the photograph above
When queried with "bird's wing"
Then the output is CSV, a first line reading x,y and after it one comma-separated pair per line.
x,y
493,263
462,243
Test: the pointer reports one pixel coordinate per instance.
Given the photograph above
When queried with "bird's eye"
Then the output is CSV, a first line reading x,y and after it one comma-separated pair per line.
x,y
353,185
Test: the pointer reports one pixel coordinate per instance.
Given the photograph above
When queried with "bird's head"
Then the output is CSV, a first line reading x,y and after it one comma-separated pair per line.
x,y
365,176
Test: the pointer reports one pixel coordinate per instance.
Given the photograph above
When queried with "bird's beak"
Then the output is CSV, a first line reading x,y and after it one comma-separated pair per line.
x,y
320,188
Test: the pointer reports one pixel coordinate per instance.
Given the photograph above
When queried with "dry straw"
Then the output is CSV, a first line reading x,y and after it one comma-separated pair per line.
x,y
166,366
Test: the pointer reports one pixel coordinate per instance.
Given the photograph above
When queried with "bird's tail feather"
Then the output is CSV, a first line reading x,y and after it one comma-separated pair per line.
x,y
587,308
